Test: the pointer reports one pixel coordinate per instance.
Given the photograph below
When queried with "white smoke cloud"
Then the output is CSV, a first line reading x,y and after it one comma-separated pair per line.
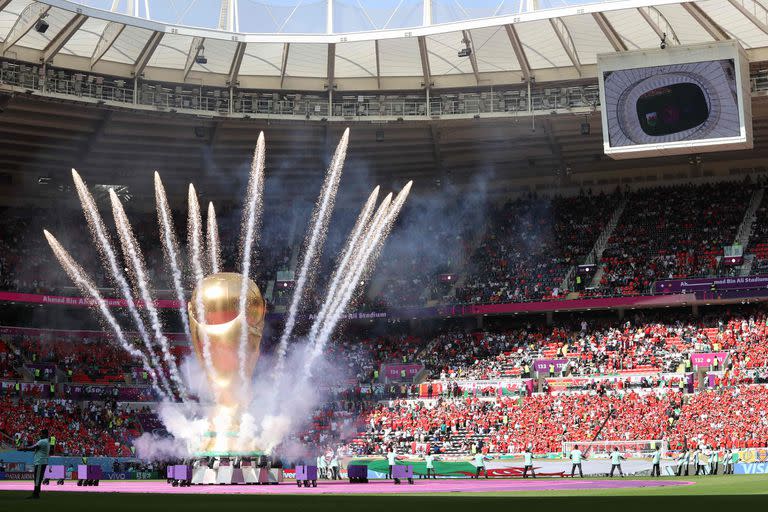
x,y
278,408
152,447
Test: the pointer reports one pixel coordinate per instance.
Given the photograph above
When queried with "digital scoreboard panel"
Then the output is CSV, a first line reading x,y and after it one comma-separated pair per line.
x,y
683,99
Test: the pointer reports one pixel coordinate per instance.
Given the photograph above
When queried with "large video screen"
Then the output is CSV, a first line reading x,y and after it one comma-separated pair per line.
x,y
677,106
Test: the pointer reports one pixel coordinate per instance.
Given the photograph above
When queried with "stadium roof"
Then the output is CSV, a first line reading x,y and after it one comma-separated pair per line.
x,y
362,45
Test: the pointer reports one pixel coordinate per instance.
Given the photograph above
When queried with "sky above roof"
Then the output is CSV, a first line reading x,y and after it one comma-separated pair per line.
x,y
310,16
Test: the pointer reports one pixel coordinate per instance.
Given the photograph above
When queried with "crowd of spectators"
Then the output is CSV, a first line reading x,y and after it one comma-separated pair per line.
x,y
730,417
657,342
672,232
529,246
520,250
81,359
508,425
25,258
10,361
80,428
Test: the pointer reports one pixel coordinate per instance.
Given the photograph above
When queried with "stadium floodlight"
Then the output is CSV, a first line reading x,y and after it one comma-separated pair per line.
x,y
41,26
201,58
467,50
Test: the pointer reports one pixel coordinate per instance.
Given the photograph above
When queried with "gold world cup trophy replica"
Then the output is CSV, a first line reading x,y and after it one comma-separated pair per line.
x,y
217,341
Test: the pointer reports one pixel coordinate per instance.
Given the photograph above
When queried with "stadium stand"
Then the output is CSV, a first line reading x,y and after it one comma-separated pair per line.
x,y
672,232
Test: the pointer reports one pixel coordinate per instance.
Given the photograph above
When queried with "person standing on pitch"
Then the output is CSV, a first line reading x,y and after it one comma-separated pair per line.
x,y
42,450
479,463
335,473
734,460
321,466
429,461
701,460
656,461
576,457
391,458
714,461
616,458
683,460
528,463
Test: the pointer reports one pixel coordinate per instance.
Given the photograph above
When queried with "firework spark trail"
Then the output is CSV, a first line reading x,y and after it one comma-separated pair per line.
x,y
254,205
135,260
195,234
349,249
370,249
214,247
320,219
86,286
358,252
101,238
170,249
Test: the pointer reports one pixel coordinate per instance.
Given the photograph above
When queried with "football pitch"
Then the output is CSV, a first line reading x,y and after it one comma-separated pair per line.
x,y
718,493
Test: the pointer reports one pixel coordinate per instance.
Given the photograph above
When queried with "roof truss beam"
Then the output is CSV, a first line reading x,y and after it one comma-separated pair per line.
x,y
564,35
331,65
425,61
517,46
146,53
194,50
108,37
237,61
284,63
712,28
754,11
659,24
610,33
24,24
64,35
472,57
4,4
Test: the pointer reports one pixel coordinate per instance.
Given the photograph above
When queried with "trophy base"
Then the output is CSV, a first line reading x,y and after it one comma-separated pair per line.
x,y
229,469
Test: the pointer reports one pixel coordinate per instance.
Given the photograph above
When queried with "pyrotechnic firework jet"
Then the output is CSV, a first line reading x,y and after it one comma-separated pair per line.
x,y
195,235
101,239
86,286
357,252
214,247
370,248
137,268
349,249
315,239
254,205
171,249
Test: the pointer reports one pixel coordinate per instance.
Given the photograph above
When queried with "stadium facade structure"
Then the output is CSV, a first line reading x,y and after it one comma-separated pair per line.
x,y
101,85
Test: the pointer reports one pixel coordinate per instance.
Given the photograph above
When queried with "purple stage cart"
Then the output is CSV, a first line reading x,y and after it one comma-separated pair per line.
x,y
357,473
169,474
306,475
88,474
55,472
402,472
180,475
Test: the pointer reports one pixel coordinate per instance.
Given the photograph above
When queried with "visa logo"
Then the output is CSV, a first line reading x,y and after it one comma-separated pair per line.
x,y
757,468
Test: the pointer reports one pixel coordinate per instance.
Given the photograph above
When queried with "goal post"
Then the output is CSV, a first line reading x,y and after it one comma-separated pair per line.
x,y
643,448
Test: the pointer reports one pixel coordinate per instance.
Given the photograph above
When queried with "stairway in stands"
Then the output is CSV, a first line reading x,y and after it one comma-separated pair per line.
x,y
597,251
745,230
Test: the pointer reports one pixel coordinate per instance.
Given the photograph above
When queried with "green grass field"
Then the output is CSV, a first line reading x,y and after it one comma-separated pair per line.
x,y
719,493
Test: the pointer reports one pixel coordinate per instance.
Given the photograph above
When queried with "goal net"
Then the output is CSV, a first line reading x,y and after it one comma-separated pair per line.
x,y
601,449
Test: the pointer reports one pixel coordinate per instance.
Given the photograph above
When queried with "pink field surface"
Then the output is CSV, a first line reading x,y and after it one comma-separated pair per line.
x,y
339,487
